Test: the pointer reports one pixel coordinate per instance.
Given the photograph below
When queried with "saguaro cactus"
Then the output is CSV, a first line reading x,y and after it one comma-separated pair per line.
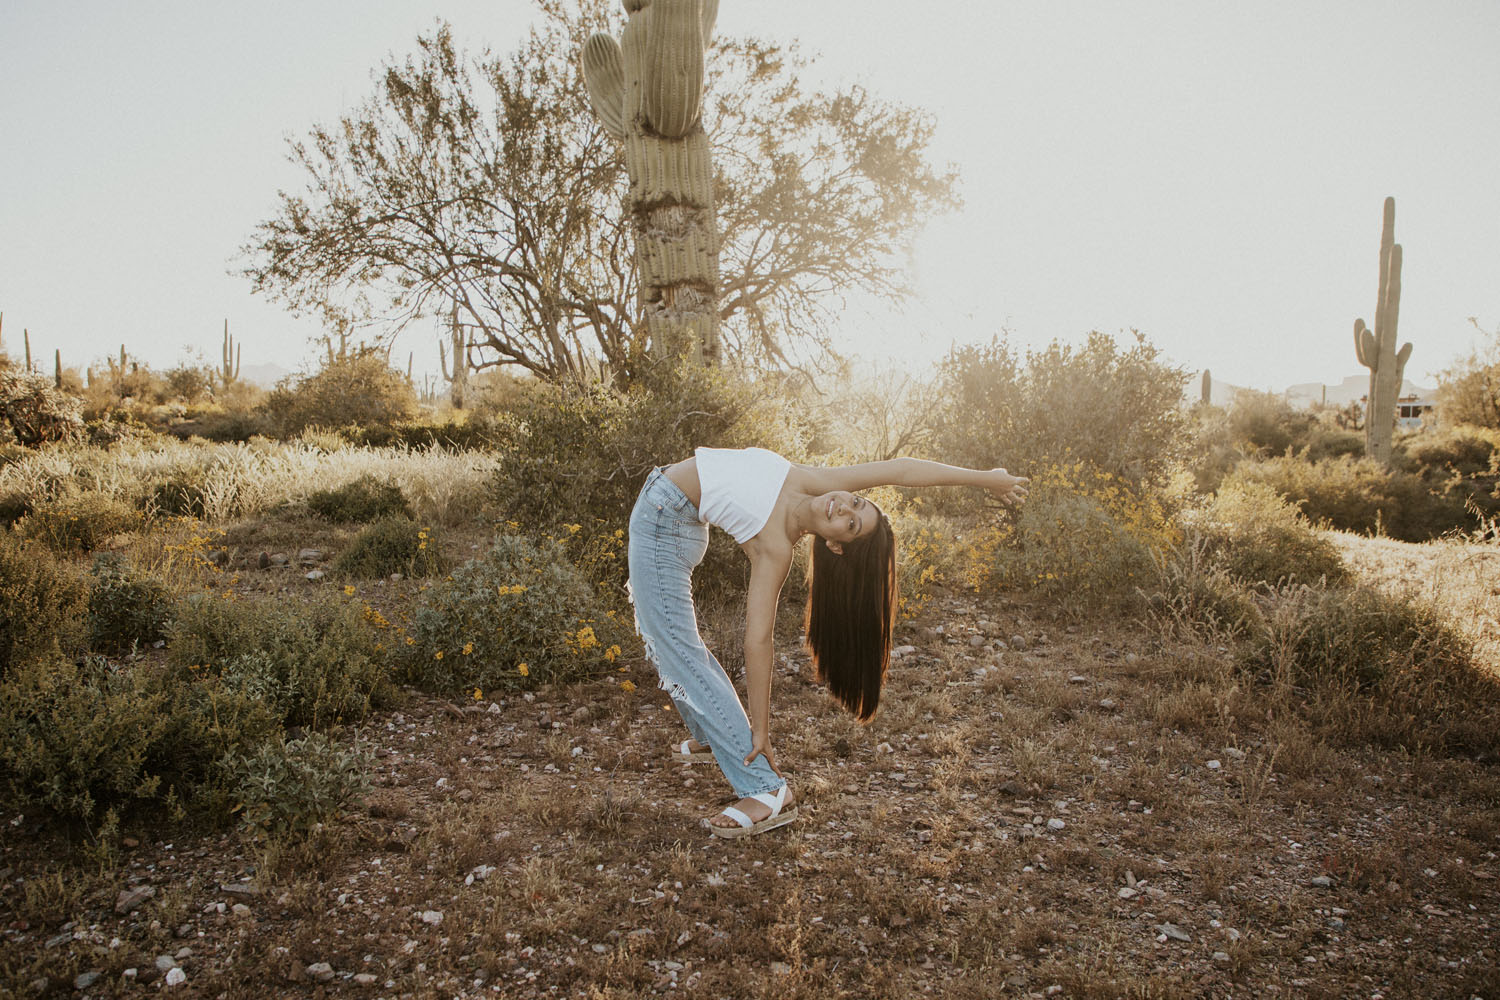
x,y
229,366
458,380
1376,349
647,90
1207,388
57,368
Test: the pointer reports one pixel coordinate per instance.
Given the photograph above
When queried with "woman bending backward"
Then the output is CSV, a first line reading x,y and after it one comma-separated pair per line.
x,y
767,504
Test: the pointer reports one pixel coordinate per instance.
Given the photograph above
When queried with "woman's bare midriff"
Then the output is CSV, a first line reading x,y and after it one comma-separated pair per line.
x,y
684,476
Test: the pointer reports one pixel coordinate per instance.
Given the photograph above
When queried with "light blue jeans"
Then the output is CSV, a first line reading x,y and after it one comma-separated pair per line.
x,y
666,542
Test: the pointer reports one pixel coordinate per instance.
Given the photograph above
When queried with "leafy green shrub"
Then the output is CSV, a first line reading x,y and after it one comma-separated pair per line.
x,y
42,605
1116,411
520,616
78,522
1257,537
77,740
178,497
360,500
394,544
126,609
315,660
1358,494
360,389
289,787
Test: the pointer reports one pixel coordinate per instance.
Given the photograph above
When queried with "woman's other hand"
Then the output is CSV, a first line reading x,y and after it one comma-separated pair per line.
x,y
761,747
1007,488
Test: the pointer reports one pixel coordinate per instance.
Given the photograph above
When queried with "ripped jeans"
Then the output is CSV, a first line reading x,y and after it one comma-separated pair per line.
x,y
666,541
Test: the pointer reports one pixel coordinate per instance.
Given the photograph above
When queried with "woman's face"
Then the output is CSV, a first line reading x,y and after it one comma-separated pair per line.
x,y
841,517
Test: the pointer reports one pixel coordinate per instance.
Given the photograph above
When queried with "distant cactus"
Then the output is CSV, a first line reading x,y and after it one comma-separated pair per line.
x,y
1377,350
26,337
458,380
647,90
229,366
1208,385
57,368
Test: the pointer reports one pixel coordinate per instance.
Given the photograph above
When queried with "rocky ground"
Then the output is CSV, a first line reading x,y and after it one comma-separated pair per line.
x,y
1040,809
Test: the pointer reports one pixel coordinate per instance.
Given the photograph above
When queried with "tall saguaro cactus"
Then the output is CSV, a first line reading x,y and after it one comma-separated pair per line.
x,y
1376,349
229,364
647,90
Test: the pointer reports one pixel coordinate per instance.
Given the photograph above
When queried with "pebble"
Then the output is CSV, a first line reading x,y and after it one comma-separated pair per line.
x,y
1214,765
86,979
1321,882
433,917
1078,679
313,576
184,930
1018,643
884,748
1131,659
1221,956
365,979
1055,824
130,899
176,977
1127,893
240,910
1107,704
165,963
1173,932
61,939
1234,753
321,971
902,651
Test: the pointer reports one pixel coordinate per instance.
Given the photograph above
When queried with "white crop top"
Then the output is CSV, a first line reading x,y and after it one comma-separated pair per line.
x,y
740,487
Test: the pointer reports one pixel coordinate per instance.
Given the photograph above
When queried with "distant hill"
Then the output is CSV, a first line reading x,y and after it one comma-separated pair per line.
x,y
1350,390
264,376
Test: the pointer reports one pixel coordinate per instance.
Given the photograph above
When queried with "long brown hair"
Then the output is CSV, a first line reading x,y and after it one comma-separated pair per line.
x,y
851,611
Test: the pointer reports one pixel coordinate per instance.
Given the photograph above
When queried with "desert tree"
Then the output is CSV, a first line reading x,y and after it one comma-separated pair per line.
x,y
484,181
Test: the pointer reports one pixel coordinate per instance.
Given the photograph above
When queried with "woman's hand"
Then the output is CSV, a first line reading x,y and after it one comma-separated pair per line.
x,y
761,747
1007,488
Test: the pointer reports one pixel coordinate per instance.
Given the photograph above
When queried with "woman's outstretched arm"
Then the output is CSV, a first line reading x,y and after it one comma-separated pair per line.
x,y
913,472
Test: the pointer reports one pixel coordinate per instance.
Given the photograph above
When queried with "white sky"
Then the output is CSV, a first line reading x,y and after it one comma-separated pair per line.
x,y
1211,174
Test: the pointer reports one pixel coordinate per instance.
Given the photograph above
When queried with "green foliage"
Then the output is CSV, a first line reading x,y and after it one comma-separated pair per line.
x,y
180,496
1115,410
520,616
34,412
1257,537
360,388
1469,390
580,456
393,544
314,660
42,605
78,522
361,500
290,787
187,382
126,609
1358,494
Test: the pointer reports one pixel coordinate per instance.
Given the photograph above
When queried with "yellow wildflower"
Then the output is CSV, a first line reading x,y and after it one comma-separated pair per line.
x,y
524,670
349,589
478,694
468,648
627,686
438,655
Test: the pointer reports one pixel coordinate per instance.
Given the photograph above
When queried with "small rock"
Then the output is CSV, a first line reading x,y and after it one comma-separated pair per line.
x,y
308,557
1234,753
1127,893
782,968
130,975
976,641
183,954
131,899
577,751
884,748
1108,704
176,977
396,578
1214,765
56,942
433,917
1173,932
183,930
1221,956
314,575
1078,679
581,714
279,559
320,971
165,962
601,949
1336,923
544,721
365,979
1131,659
86,979
241,889
1018,643
240,910
1055,824
841,747
263,561
1321,882
1009,787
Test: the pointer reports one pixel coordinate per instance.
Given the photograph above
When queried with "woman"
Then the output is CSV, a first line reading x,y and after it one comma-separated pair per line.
x,y
767,504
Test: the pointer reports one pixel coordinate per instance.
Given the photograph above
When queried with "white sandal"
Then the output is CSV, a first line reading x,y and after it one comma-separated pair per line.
x,y
682,755
748,827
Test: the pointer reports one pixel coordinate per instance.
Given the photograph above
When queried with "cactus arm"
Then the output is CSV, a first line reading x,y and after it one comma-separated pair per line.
x,y
1364,344
604,74
1391,300
672,81
1401,358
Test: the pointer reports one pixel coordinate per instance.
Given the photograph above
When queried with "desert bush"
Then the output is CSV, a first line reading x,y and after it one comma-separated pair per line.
x,y
1258,537
1469,390
361,500
290,787
361,389
13,507
1464,450
394,544
42,605
935,551
1263,423
1358,494
460,432
223,426
181,496
1388,668
79,522
519,616
1327,440
33,412
1116,410
1194,595
315,660
126,608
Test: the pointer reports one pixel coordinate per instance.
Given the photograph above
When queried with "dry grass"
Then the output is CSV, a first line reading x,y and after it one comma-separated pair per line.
x,y
564,852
